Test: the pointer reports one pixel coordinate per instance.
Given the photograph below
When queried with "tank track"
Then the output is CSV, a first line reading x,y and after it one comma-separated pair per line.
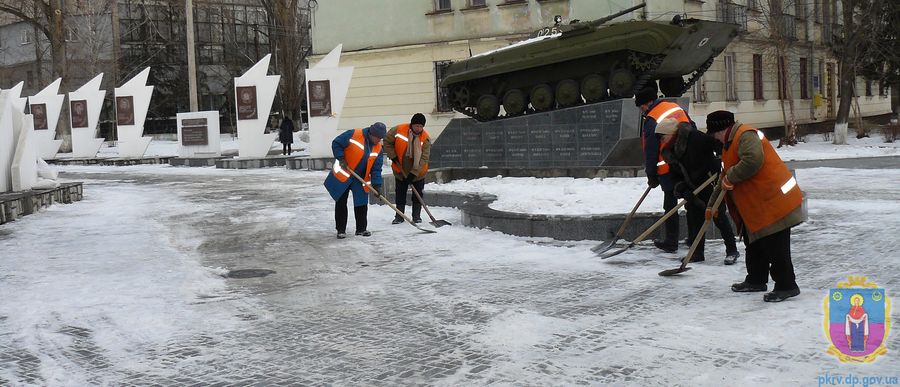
x,y
696,75
647,76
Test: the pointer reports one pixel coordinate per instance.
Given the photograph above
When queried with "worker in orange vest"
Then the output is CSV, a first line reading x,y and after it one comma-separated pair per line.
x,y
654,110
409,148
360,151
765,202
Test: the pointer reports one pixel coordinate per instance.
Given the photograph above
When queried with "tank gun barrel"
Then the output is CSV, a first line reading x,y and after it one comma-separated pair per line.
x,y
603,20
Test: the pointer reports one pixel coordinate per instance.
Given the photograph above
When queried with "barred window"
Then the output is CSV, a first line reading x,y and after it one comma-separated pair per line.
x,y
442,102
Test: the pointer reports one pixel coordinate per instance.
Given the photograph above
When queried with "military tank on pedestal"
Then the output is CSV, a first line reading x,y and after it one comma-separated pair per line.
x,y
585,62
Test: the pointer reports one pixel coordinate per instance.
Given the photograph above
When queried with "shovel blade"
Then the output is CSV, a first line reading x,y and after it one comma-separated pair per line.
x,y
671,272
440,223
613,253
602,248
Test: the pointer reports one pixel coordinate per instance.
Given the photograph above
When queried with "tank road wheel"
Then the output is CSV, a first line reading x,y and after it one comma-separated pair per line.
x,y
459,97
593,87
621,82
514,102
487,108
671,87
567,93
542,97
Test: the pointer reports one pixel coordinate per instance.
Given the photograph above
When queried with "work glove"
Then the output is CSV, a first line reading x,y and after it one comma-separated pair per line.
x,y
653,181
395,160
682,190
710,213
344,165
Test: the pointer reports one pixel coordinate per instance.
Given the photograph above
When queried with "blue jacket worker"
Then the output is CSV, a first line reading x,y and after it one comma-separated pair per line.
x,y
360,151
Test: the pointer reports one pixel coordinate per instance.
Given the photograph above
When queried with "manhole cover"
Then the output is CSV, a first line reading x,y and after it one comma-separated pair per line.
x,y
249,273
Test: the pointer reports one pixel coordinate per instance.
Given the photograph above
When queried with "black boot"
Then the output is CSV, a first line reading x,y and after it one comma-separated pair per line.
x,y
667,246
732,257
397,220
744,287
780,295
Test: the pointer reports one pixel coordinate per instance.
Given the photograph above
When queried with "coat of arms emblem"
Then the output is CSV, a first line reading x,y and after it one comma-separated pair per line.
x,y
857,320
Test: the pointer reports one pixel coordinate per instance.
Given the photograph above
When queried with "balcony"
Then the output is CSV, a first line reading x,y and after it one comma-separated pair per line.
x,y
732,13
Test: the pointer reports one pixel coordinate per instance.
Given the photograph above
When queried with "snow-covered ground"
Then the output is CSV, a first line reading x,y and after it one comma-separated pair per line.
x,y
817,148
125,288
229,144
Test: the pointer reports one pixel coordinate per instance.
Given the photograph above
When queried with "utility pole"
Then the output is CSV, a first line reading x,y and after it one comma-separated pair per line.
x,y
191,55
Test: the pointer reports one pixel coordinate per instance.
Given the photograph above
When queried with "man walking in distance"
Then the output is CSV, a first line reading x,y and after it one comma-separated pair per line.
x,y
765,202
359,150
409,148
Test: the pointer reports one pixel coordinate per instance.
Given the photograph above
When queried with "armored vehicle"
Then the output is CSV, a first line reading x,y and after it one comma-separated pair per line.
x,y
585,62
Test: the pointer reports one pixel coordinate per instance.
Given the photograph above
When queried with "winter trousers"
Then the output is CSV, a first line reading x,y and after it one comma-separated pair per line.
x,y
401,188
340,214
771,255
671,226
286,148
696,216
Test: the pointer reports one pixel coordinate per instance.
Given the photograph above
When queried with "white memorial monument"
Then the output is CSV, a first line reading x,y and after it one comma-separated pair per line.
x,y
10,103
326,90
198,134
132,102
254,93
84,112
24,166
45,107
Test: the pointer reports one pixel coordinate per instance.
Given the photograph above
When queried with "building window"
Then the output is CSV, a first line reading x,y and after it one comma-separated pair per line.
x,y
441,5
29,81
800,9
868,88
757,77
732,13
753,5
730,79
72,34
699,91
804,79
477,3
442,102
883,88
25,38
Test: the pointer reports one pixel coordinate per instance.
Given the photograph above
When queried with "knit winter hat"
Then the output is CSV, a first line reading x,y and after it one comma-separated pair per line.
x,y
719,120
417,118
646,94
378,129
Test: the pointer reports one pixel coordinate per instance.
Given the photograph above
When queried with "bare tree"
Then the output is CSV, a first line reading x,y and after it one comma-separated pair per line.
x,y
778,36
289,33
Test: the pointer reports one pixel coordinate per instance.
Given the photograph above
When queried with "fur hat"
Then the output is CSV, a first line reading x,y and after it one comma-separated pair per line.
x,y
719,120
417,118
646,94
378,129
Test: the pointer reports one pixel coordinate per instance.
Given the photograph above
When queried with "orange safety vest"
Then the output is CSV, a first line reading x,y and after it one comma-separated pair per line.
x,y
401,141
354,153
660,112
766,197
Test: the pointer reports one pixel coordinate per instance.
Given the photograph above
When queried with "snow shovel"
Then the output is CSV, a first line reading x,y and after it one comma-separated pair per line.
x,y
434,222
687,258
388,202
658,223
604,247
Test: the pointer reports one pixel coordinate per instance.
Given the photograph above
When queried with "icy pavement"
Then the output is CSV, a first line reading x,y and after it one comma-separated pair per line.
x,y
126,288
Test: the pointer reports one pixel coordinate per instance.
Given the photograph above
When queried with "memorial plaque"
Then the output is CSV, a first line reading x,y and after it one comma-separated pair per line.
x,y
246,103
471,137
564,152
593,132
320,98
79,113
516,134
590,151
125,110
493,154
517,154
540,134
446,156
493,136
564,134
194,131
39,113
591,115
472,156
540,152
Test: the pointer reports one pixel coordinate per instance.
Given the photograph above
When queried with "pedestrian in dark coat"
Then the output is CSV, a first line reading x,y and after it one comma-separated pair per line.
x,y
286,135
691,157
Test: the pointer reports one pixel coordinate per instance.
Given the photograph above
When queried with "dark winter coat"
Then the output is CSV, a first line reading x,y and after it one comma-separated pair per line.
x,y
692,159
651,148
337,188
286,131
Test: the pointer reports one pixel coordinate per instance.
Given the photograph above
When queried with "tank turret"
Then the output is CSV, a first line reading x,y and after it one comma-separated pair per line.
x,y
585,62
